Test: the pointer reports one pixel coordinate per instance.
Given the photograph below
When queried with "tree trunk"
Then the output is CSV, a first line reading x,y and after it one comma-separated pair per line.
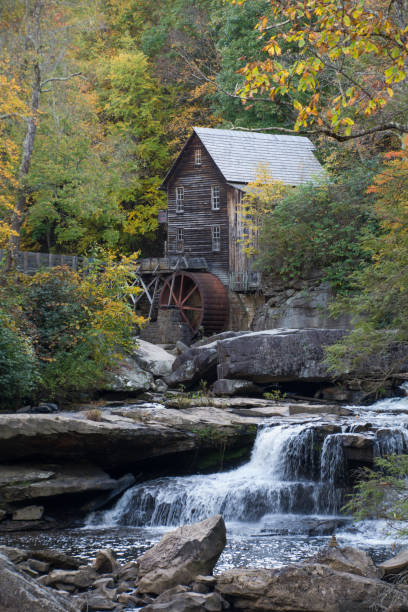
x,y
28,147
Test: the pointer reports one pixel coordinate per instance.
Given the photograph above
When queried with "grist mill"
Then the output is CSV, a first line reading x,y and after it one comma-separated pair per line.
x,y
205,279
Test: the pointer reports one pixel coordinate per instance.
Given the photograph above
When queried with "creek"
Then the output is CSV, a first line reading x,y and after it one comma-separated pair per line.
x,y
281,506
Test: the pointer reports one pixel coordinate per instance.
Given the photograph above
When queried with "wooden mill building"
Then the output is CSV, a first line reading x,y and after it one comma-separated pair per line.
x,y
204,188
207,181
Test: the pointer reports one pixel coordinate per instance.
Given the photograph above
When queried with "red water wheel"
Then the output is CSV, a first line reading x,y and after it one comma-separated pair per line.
x,y
200,297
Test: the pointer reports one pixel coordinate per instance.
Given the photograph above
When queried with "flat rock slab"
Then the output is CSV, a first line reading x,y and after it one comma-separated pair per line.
x,y
261,412
189,417
56,480
396,564
28,513
319,409
74,437
15,474
125,437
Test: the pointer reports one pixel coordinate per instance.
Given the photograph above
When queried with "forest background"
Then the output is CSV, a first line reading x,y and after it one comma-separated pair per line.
x,y
96,100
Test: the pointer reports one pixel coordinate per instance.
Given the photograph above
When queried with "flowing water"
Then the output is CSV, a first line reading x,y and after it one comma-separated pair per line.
x,y
279,507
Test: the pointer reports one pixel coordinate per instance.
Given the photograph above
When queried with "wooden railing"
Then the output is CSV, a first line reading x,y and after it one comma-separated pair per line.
x,y
245,281
29,263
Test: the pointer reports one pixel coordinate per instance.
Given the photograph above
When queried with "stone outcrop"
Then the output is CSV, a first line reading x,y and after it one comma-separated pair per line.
x,y
302,305
277,355
181,555
129,439
347,559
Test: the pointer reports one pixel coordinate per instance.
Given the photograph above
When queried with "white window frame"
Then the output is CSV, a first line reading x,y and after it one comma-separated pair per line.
x,y
180,239
215,197
179,199
197,156
216,238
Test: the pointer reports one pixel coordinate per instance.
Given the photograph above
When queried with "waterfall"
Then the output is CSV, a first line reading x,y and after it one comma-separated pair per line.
x,y
391,441
332,474
277,479
293,469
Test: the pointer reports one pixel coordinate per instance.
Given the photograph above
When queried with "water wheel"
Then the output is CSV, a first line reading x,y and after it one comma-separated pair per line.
x,y
200,297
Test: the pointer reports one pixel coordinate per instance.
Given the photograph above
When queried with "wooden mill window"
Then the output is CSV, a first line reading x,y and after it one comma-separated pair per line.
x,y
180,240
180,200
216,238
215,197
197,156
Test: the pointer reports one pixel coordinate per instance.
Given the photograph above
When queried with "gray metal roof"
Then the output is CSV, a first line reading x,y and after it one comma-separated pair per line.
x,y
238,155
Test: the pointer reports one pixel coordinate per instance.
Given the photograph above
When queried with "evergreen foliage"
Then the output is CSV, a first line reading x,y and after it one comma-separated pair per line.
x,y
17,363
381,493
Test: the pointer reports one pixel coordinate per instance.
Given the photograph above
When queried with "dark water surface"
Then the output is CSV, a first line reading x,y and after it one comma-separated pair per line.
x,y
246,546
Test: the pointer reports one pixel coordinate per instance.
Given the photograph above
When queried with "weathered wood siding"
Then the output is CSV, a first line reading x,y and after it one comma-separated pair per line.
x,y
198,217
242,275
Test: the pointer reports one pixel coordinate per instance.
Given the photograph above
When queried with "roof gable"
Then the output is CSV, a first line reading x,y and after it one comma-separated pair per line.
x,y
238,154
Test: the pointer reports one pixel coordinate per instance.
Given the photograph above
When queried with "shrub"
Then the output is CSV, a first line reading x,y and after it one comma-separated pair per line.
x,y
94,414
81,325
316,229
381,493
17,363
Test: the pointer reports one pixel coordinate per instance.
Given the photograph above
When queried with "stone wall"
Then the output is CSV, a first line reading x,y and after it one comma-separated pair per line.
x,y
168,329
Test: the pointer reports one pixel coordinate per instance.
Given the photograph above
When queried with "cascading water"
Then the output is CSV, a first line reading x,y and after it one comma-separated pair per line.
x,y
286,474
279,506
332,474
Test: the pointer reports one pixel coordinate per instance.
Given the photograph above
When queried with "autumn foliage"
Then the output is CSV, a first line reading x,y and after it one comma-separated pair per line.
x,y
340,64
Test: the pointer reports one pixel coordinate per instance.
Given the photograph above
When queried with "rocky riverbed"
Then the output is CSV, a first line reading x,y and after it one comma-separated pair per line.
x,y
176,575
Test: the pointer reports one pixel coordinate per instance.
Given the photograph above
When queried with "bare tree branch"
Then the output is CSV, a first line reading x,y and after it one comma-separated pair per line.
x,y
70,76
386,127
12,115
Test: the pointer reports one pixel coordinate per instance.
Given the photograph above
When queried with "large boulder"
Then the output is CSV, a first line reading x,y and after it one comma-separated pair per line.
x,y
310,587
129,377
153,358
20,593
277,355
194,365
347,559
182,555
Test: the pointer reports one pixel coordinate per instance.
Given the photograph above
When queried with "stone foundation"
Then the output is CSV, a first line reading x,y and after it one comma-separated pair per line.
x,y
168,329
